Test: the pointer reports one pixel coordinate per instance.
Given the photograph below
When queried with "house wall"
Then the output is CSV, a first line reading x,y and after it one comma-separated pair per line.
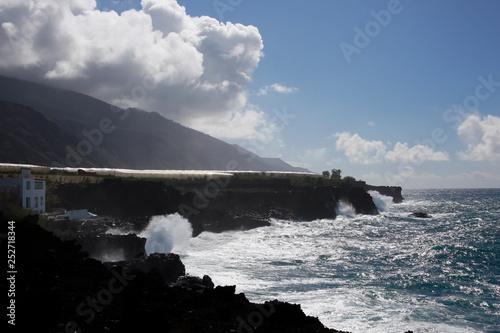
x,y
33,194
31,190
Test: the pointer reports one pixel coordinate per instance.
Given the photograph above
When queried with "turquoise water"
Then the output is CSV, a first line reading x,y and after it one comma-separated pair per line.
x,y
386,273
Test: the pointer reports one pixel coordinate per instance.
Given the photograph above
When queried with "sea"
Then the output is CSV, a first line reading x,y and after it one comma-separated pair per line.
x,y
385,273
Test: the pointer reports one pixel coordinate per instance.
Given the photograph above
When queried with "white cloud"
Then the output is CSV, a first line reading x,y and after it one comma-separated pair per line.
x,y
415,154
476,179
250,123
314,154
482,137
195,70
276,88
362,151
359,150
371,123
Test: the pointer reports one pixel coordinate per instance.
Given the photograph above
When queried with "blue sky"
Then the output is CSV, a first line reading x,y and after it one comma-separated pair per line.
x,y
393,92
398,88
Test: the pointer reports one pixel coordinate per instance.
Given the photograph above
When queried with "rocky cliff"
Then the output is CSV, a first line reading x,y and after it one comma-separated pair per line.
x,y
244,208
390,191
214,206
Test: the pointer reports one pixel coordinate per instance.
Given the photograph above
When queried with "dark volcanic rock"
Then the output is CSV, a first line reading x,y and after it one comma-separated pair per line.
x,y
246,208
58,289
195,283
390,191
253,205
169,265
421,215
92,237
218,205
359,199
122,198
112,247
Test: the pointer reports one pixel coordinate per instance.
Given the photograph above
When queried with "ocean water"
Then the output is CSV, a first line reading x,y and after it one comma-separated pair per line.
x,y
385,273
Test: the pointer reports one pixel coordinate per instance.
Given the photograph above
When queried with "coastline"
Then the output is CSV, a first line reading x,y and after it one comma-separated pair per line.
x,y
241,204
62,290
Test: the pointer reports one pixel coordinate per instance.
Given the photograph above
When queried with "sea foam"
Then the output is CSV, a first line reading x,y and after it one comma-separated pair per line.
x,y
345,208
167,233
382,202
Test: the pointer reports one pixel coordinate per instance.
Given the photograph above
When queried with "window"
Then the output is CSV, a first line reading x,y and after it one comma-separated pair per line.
x,y
28,185
36,202
41,201
28,202
38,185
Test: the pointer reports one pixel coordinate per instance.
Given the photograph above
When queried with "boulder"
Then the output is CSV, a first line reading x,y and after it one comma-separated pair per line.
x,y
421,215
169,265
194,282
112,247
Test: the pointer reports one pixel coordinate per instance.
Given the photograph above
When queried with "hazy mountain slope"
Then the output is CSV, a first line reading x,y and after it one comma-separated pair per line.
x,y
27,136
104,136
276,164
279,165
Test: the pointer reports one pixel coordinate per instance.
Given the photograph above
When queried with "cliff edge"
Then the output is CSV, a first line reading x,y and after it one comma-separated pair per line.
x,y
218,206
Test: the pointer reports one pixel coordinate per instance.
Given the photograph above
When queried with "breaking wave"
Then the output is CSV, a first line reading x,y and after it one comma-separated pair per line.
x,y
345,208
167,233
382,202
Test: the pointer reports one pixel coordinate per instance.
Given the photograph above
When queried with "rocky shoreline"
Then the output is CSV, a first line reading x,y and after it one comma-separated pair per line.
x,y
60,289
208,206
63,288
221,205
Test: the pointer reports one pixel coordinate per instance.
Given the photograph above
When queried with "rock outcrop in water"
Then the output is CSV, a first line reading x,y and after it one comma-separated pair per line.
x,y
420,215
390,191
58,289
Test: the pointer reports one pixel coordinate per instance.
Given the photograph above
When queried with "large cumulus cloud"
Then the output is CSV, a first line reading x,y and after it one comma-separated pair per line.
x,y
482,136
195,70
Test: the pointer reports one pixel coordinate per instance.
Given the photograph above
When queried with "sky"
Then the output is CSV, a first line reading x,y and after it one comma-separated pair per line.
x,y
393,92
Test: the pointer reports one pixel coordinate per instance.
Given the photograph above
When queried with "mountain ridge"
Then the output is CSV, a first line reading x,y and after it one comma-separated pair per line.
x,y
92,133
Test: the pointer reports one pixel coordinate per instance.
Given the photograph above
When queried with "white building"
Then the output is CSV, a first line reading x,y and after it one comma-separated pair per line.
x,y
31,191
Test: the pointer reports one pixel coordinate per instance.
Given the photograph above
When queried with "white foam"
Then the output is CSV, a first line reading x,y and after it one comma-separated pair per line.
x,y
383,202
311,263
167,233
345,208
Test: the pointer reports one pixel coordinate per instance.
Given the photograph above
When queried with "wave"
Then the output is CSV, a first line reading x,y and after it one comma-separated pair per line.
x,y
345,208
167,233
382,202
